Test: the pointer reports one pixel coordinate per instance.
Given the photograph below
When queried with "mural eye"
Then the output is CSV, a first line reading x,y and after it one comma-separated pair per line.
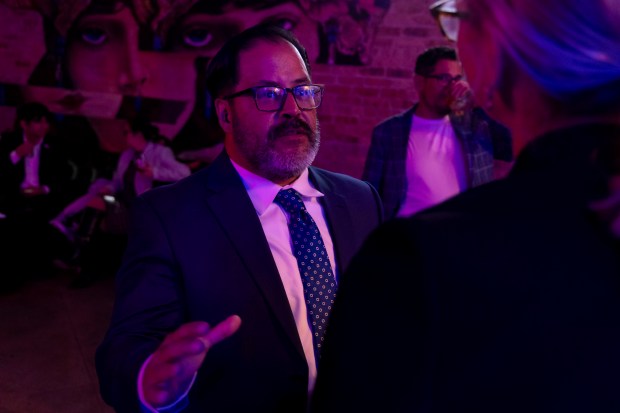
x,y
197,38
94,36
286,23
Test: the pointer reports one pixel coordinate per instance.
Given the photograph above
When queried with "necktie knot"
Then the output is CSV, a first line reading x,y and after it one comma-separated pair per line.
x,y
290,200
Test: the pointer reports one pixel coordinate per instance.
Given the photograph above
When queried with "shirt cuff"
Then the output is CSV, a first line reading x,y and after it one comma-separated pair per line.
x,y
181,403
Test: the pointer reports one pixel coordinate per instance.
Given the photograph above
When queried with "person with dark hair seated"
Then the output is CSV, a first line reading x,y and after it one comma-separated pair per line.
x,y
147,162
96,223
34,179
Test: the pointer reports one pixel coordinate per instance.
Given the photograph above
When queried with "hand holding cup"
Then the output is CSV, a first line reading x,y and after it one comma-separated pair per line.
x,y
462,97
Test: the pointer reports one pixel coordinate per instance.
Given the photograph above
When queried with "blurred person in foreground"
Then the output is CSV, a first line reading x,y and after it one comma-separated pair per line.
x,y
505,298
219,255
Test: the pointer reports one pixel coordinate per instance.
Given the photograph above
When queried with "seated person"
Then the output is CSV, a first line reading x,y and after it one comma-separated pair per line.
x,y
33,169
145,163
34,179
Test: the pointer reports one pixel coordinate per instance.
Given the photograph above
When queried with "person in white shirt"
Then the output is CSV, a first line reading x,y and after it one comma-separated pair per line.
x,y
438,148
216,255
145,163
35,179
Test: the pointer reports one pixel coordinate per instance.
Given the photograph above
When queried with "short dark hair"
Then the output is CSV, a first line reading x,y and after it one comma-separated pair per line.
x,y
426,62
223,70
33,111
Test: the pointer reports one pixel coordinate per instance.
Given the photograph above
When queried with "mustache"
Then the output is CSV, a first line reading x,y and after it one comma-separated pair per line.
x,y
291,126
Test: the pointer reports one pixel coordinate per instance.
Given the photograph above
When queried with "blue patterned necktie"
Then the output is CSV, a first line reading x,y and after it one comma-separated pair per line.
x,y
316,272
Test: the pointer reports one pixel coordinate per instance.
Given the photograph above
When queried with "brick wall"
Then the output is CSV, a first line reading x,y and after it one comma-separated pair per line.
x,y
357,98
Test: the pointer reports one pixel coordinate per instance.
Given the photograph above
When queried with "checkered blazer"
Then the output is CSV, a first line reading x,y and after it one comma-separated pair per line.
x,y
483,141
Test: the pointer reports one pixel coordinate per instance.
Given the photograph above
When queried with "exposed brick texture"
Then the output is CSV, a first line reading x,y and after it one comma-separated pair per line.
x,y
357,98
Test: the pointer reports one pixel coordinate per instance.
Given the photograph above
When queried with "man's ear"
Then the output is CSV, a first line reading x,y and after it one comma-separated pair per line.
x,y
418,83
222,108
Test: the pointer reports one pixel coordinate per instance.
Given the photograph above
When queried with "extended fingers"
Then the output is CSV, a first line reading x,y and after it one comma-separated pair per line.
x,y
184,342
190,329
222,331
195,338
171,368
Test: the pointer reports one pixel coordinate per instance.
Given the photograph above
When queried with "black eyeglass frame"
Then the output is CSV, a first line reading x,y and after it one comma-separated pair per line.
x,y
444,78
252,92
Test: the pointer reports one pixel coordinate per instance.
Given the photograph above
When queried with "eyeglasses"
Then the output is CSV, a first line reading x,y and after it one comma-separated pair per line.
x,y
447,17
272,98
445,78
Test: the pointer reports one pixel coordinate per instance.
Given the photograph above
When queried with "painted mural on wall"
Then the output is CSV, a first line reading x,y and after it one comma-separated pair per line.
x,y
106,61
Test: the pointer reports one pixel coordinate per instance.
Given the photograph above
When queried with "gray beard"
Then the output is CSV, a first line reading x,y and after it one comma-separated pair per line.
x,y
276,166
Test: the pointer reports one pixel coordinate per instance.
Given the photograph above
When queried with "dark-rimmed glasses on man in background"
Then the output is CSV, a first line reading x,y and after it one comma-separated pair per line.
x,y
447,17
444,78
272,98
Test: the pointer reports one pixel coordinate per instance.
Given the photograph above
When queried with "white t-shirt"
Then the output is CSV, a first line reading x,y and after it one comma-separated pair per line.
x,y
435,164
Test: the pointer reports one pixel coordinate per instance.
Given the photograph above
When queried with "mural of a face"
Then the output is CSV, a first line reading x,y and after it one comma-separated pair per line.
x,y
111,52
123,57
104,55
210,23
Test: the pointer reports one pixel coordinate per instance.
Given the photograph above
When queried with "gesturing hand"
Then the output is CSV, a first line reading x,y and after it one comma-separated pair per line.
x,y
176,360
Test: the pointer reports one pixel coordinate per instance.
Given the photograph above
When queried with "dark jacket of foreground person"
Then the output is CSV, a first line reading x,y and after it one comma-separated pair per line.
x,y
503,299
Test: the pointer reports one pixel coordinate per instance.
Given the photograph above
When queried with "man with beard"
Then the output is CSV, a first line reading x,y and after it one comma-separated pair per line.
x,y
248,250
439,147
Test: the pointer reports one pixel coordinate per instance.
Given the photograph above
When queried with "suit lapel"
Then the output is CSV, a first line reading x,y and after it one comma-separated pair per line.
x,y
400,150
232,207
338,218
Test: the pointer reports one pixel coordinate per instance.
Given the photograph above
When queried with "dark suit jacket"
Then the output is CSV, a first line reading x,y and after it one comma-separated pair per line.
x,y
503,299
197,251
482,138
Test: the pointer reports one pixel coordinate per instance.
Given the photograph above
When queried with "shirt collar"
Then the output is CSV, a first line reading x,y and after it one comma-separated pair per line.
x,y
262,191
37,146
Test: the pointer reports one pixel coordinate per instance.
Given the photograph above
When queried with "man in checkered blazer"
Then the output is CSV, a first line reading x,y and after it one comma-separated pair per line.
x,y
439,147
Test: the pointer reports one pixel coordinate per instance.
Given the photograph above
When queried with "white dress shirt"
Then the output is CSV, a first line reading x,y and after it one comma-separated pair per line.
x,y
159,157
273,219
31,166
